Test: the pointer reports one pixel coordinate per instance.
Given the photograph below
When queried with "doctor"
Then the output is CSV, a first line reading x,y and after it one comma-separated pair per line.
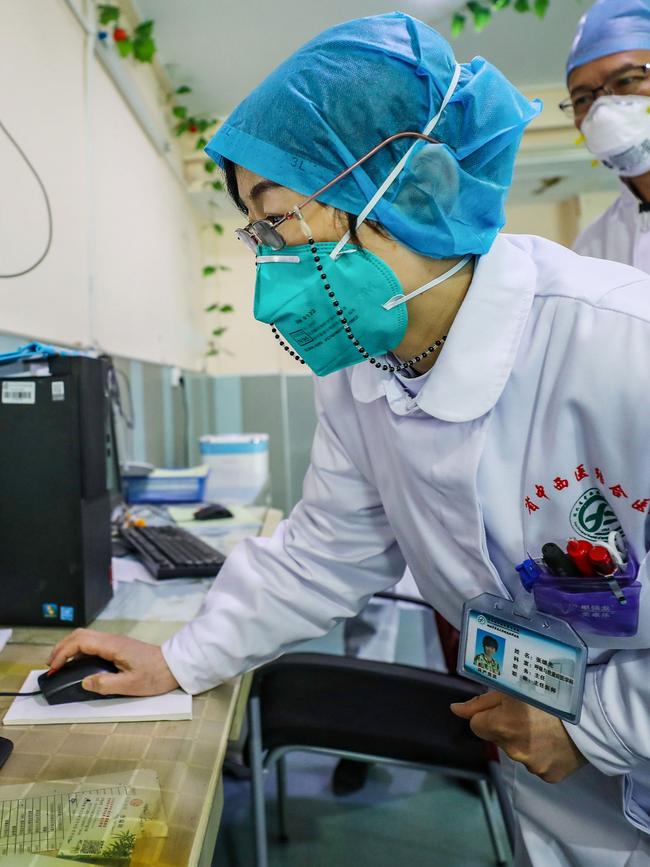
x,y
477,394
608,75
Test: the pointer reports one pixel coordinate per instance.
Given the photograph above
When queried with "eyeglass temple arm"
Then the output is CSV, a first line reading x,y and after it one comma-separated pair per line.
x,y
356,165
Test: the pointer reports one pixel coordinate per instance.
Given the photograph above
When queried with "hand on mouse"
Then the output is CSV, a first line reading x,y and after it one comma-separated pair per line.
x,y
143,670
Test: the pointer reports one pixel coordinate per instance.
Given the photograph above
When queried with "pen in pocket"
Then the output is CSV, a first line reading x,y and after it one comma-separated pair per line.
x,y
578,550
557,562
604,565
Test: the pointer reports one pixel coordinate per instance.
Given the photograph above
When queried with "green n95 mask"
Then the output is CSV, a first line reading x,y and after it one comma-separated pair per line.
x,y
291,294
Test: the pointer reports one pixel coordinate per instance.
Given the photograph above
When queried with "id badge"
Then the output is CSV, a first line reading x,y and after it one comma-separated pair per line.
x,y
536,658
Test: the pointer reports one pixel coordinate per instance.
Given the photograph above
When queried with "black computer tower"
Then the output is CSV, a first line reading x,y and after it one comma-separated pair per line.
x,y
56,453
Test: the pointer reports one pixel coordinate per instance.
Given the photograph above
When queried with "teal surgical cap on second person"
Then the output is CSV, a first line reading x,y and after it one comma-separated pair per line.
x,y
358,83
609,27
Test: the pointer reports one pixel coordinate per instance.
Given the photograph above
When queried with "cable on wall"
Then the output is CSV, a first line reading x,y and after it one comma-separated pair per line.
x,y
186,421
115,392
50,225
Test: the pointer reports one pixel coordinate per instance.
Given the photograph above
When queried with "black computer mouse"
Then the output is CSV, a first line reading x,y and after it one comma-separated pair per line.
x,y
64,684
211,511
6,746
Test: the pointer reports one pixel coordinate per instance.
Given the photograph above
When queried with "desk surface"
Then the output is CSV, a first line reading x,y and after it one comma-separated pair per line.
x,y
186,754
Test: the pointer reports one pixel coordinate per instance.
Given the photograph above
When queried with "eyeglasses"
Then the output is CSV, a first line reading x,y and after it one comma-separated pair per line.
x,y
624,82
265,232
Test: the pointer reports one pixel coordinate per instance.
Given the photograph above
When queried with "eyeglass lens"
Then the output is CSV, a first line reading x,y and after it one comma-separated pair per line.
x,y
245,236
260,232
623,83
268,235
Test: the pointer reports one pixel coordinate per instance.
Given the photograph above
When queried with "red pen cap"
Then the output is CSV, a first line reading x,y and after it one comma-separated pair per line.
x,y
601,560
578,550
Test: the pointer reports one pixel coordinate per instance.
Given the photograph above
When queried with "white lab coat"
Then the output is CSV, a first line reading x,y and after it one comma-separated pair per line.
x,y
621,233
543,381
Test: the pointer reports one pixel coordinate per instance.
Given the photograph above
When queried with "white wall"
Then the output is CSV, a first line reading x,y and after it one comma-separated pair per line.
x,y
124,271
557,221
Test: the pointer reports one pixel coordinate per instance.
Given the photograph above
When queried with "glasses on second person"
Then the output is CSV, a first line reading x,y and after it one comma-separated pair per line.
x,y
627,81
265,232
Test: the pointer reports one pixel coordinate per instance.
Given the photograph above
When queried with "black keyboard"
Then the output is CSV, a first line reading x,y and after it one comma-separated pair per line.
x,y
171,552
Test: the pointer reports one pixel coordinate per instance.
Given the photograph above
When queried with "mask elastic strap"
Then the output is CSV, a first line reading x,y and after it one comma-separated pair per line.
x,y
400,165
402,299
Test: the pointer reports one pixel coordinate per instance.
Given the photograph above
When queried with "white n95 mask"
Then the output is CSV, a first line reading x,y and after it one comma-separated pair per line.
x,y
617,132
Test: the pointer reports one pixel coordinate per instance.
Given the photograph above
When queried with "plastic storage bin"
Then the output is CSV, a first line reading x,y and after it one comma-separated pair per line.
x,y
239,466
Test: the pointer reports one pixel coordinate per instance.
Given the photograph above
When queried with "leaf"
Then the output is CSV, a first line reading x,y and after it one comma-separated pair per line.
x,y
179,111
211,308
540,7
500,4
202,124
218,332
145,29
121,847
108,13
218,186
208,270
209,166
180,128
212,351
218,228
183,89
457,24
522,6
125,47
226,308
144,49
481,15
200,143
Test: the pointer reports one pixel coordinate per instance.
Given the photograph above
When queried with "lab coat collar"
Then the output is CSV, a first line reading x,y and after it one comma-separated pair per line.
x,y
628,197
468,378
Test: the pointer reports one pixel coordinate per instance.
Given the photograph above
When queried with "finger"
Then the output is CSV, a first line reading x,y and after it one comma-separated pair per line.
x,y
83,641
486,701
483,726
124,683
110,684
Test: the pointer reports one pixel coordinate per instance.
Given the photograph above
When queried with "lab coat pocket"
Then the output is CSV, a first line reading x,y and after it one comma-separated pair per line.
x,y
623,627
593,605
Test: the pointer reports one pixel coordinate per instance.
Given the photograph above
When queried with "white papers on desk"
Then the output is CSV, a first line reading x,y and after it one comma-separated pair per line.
x,y
34,710
126,570
5,635
176,600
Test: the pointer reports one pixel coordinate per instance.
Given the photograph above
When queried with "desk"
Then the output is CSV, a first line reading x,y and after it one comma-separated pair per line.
x,y
187,754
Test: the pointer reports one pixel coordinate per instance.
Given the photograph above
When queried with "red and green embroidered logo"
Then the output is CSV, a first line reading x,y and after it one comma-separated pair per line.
x,y
592,516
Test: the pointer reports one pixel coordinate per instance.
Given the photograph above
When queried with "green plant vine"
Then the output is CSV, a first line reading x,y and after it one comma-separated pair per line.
x,y
480,13
139,43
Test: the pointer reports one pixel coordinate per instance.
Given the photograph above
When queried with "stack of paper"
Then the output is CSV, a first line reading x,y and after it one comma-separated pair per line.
x,y
34,710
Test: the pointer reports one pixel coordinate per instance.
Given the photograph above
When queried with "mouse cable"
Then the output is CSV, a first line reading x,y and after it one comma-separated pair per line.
x,y
47,206
14,694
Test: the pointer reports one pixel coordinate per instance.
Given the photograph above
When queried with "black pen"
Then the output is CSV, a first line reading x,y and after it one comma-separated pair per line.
x,y
557,562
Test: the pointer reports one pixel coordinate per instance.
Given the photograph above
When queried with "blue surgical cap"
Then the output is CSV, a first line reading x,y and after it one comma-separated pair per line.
x,y
358,83
608,27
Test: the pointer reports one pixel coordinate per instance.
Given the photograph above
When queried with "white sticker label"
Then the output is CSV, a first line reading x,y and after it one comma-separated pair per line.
x,y
58,390
18,392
